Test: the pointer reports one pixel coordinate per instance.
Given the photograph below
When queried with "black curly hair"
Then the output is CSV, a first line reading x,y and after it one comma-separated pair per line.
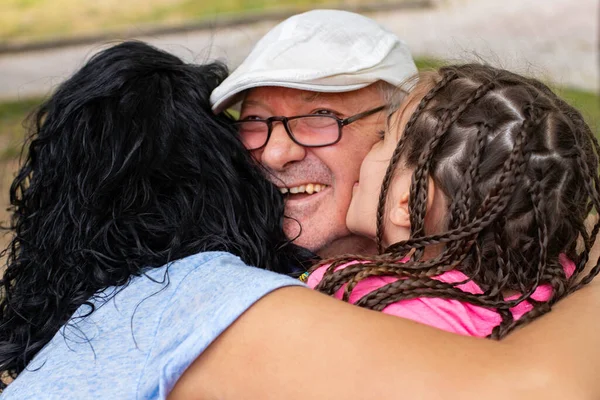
x,y
126,169
519,169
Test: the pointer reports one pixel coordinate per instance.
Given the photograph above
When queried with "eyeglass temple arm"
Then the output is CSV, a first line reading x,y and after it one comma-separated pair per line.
x,y
353,118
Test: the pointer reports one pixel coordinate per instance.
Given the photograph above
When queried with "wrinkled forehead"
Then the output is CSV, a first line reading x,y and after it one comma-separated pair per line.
x,y
268,96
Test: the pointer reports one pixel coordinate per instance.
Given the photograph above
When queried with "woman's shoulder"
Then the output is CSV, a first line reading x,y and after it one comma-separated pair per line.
x,y
214,270
148,331
211,260
212,291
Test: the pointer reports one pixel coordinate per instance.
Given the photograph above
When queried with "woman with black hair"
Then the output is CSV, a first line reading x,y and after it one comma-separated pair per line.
x,y
123,279
127,172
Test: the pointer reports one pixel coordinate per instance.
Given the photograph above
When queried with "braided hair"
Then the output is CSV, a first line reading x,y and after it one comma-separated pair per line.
x,y
519,169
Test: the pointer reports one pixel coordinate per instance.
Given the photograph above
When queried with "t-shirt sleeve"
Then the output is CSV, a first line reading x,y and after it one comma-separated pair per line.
x,y
205,303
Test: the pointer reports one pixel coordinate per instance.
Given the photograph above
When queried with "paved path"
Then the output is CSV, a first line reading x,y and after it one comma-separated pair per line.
x,y
551,39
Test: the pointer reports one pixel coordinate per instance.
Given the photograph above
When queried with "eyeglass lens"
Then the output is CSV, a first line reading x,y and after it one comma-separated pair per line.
x,y
317,130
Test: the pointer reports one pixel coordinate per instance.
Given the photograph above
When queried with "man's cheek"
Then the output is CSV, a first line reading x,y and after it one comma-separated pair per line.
x,y
256,154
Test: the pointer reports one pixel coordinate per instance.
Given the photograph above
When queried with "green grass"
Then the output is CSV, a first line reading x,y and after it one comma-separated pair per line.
x,y
34,20
12,125
428,63
587,103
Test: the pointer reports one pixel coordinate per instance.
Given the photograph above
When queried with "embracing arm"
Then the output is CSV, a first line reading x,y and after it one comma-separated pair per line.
x,y
564,345
299,344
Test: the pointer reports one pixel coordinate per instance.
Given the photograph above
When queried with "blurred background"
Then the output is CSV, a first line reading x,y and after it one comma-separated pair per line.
x,y
43,41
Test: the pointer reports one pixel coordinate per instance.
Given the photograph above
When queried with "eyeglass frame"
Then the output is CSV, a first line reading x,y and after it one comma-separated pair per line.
x,y
284,120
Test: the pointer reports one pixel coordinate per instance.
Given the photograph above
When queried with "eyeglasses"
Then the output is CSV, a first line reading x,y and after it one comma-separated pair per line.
x,y
305,130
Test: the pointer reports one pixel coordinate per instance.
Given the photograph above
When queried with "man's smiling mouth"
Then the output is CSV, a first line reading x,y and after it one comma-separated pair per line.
x,y
308,188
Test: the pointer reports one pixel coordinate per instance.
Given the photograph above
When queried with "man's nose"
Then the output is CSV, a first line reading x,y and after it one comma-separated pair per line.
x,y
281,150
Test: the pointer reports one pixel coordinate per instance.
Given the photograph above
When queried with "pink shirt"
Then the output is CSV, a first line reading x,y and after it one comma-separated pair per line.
x,y
450,315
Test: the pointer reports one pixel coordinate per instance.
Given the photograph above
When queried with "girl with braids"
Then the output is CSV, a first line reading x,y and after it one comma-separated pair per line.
x,y
123,282
479,210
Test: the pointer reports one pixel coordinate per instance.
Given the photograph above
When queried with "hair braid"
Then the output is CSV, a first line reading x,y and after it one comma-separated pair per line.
x,y
446,78
513,171
591,239
503,262
507,320
499,147
486,215
592,185
410,270
335,278
504,329
417,204
461,205
419,183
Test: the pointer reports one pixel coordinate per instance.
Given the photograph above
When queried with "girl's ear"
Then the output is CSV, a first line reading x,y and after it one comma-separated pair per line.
x,y
399,214
431,192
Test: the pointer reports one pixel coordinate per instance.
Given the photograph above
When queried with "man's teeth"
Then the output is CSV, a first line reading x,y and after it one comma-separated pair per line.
x,y
309,188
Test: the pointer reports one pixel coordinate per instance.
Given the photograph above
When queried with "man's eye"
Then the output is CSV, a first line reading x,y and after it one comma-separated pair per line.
x,y
250,118
324,112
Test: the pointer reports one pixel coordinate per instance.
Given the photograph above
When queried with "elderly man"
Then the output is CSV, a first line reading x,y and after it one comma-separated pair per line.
x,y
311,94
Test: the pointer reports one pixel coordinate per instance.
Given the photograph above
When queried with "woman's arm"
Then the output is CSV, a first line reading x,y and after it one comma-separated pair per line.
x,y
564,345
299,344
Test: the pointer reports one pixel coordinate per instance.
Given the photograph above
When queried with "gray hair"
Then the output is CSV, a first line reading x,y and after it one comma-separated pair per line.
x,y
393,96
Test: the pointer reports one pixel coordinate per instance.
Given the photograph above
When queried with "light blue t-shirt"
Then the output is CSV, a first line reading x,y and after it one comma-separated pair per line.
x,y
139,342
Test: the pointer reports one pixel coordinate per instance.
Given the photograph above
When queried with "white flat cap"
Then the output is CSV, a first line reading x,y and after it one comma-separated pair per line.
x,y
320,51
